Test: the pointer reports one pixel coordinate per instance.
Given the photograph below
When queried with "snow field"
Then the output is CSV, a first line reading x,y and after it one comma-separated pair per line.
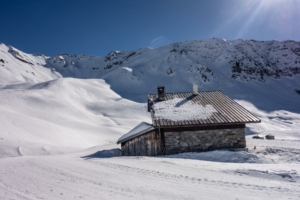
x,y
78,118
72,176
64,114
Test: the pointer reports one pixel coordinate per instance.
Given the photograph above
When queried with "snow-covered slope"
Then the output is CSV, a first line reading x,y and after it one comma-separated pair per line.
x,y
212,64
75,105
235,67
17,68
63,114
264,73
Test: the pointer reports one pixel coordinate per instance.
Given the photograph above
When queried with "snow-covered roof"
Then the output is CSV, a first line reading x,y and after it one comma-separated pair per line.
x,y
140,129
205,108
179,109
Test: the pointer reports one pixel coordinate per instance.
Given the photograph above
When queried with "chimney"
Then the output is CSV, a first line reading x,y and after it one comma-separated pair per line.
x,y
161,92
195,89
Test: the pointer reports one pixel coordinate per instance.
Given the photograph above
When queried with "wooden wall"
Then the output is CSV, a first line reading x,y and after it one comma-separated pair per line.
x,y
148,144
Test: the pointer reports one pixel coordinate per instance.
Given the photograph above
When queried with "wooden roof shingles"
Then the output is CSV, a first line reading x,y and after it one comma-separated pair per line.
x,y
217,109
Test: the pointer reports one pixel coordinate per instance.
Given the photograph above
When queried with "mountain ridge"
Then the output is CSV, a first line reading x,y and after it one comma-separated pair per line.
x,y
233,66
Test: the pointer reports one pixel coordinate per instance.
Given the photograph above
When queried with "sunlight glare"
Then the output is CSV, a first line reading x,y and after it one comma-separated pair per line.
x,y
250,16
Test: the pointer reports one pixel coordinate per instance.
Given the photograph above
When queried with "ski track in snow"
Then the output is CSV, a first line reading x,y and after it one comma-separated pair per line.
x,y
195,180
69,177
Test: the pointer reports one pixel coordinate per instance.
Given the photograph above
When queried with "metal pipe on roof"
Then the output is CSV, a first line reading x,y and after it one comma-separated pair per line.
x,y
195,89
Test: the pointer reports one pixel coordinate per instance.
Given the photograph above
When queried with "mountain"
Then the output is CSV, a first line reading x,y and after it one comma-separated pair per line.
x,y
240,68
210,63
199,62
60,118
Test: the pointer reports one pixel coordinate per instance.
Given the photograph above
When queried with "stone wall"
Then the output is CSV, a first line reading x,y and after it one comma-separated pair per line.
x,y
148,144
203,140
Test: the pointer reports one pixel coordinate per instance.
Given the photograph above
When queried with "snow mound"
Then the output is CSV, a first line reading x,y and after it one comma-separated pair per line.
x,y
279,155
64,115
105,154
280,175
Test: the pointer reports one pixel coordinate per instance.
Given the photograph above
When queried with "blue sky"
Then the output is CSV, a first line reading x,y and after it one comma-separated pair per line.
x,y
95,27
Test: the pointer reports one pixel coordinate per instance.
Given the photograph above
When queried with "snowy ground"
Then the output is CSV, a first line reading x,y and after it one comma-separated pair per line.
x,y
57,142
86,176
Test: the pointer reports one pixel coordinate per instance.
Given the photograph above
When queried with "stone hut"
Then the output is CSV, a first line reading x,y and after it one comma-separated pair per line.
x,y
188,122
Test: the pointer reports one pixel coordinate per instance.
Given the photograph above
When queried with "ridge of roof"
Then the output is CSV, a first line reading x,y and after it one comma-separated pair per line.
x,y
187,92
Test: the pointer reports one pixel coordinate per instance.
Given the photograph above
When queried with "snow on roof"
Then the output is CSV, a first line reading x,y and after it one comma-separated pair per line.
x,y
180,109
136,131
205,108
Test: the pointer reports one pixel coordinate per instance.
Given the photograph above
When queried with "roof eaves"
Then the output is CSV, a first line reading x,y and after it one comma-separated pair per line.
x,y
203,125
135,135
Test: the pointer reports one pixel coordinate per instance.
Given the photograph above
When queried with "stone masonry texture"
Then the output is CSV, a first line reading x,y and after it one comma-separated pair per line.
x,y
204,140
